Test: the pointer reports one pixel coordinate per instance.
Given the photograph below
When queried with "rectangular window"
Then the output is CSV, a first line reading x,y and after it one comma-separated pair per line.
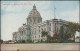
x,y
50,27
44,29
39,29
35,36
39,36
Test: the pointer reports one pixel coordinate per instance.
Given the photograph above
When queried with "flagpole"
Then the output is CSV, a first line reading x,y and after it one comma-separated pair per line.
x,y
54,12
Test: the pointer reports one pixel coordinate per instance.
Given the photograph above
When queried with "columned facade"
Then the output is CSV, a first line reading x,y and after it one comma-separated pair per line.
x,y
32,30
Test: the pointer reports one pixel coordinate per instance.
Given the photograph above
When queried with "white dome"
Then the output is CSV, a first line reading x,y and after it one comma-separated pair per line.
x,y
34,12
34,16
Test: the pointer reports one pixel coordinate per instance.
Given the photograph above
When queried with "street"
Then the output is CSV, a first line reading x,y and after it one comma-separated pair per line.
x,y
44,47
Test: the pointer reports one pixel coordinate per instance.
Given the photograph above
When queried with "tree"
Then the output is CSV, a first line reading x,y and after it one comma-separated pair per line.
x,y
74,27
44,33
67,34
61,33
49,38
64,34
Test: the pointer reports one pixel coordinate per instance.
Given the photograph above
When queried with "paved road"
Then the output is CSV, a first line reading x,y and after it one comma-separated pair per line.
x,y
48,46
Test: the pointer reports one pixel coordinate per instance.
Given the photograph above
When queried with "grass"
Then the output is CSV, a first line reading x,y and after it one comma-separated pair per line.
x,y
26,43
42,43
68,41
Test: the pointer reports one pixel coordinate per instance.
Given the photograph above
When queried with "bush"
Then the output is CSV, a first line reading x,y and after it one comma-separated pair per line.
x,y
23,41
68,41
29,41
59,41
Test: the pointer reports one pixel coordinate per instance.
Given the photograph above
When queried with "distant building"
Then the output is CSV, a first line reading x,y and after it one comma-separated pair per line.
x,y
1,41
77,39
32,30
5,42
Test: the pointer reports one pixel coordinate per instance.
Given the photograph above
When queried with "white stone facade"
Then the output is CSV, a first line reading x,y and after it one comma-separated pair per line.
x,y
32,30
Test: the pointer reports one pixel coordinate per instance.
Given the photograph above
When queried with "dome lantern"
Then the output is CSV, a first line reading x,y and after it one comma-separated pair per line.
x,y
34,7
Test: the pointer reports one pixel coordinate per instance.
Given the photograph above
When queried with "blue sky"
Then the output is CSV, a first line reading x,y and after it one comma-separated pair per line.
x,y
13,16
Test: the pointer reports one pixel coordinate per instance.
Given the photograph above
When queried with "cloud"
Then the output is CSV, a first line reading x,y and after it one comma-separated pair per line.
x,y
11,23
72,15
15,16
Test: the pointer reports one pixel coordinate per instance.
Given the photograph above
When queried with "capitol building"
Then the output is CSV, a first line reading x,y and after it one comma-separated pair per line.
x,y
34,26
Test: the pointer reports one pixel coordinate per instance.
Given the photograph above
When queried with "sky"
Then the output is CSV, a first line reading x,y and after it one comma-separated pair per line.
x,y
14,13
